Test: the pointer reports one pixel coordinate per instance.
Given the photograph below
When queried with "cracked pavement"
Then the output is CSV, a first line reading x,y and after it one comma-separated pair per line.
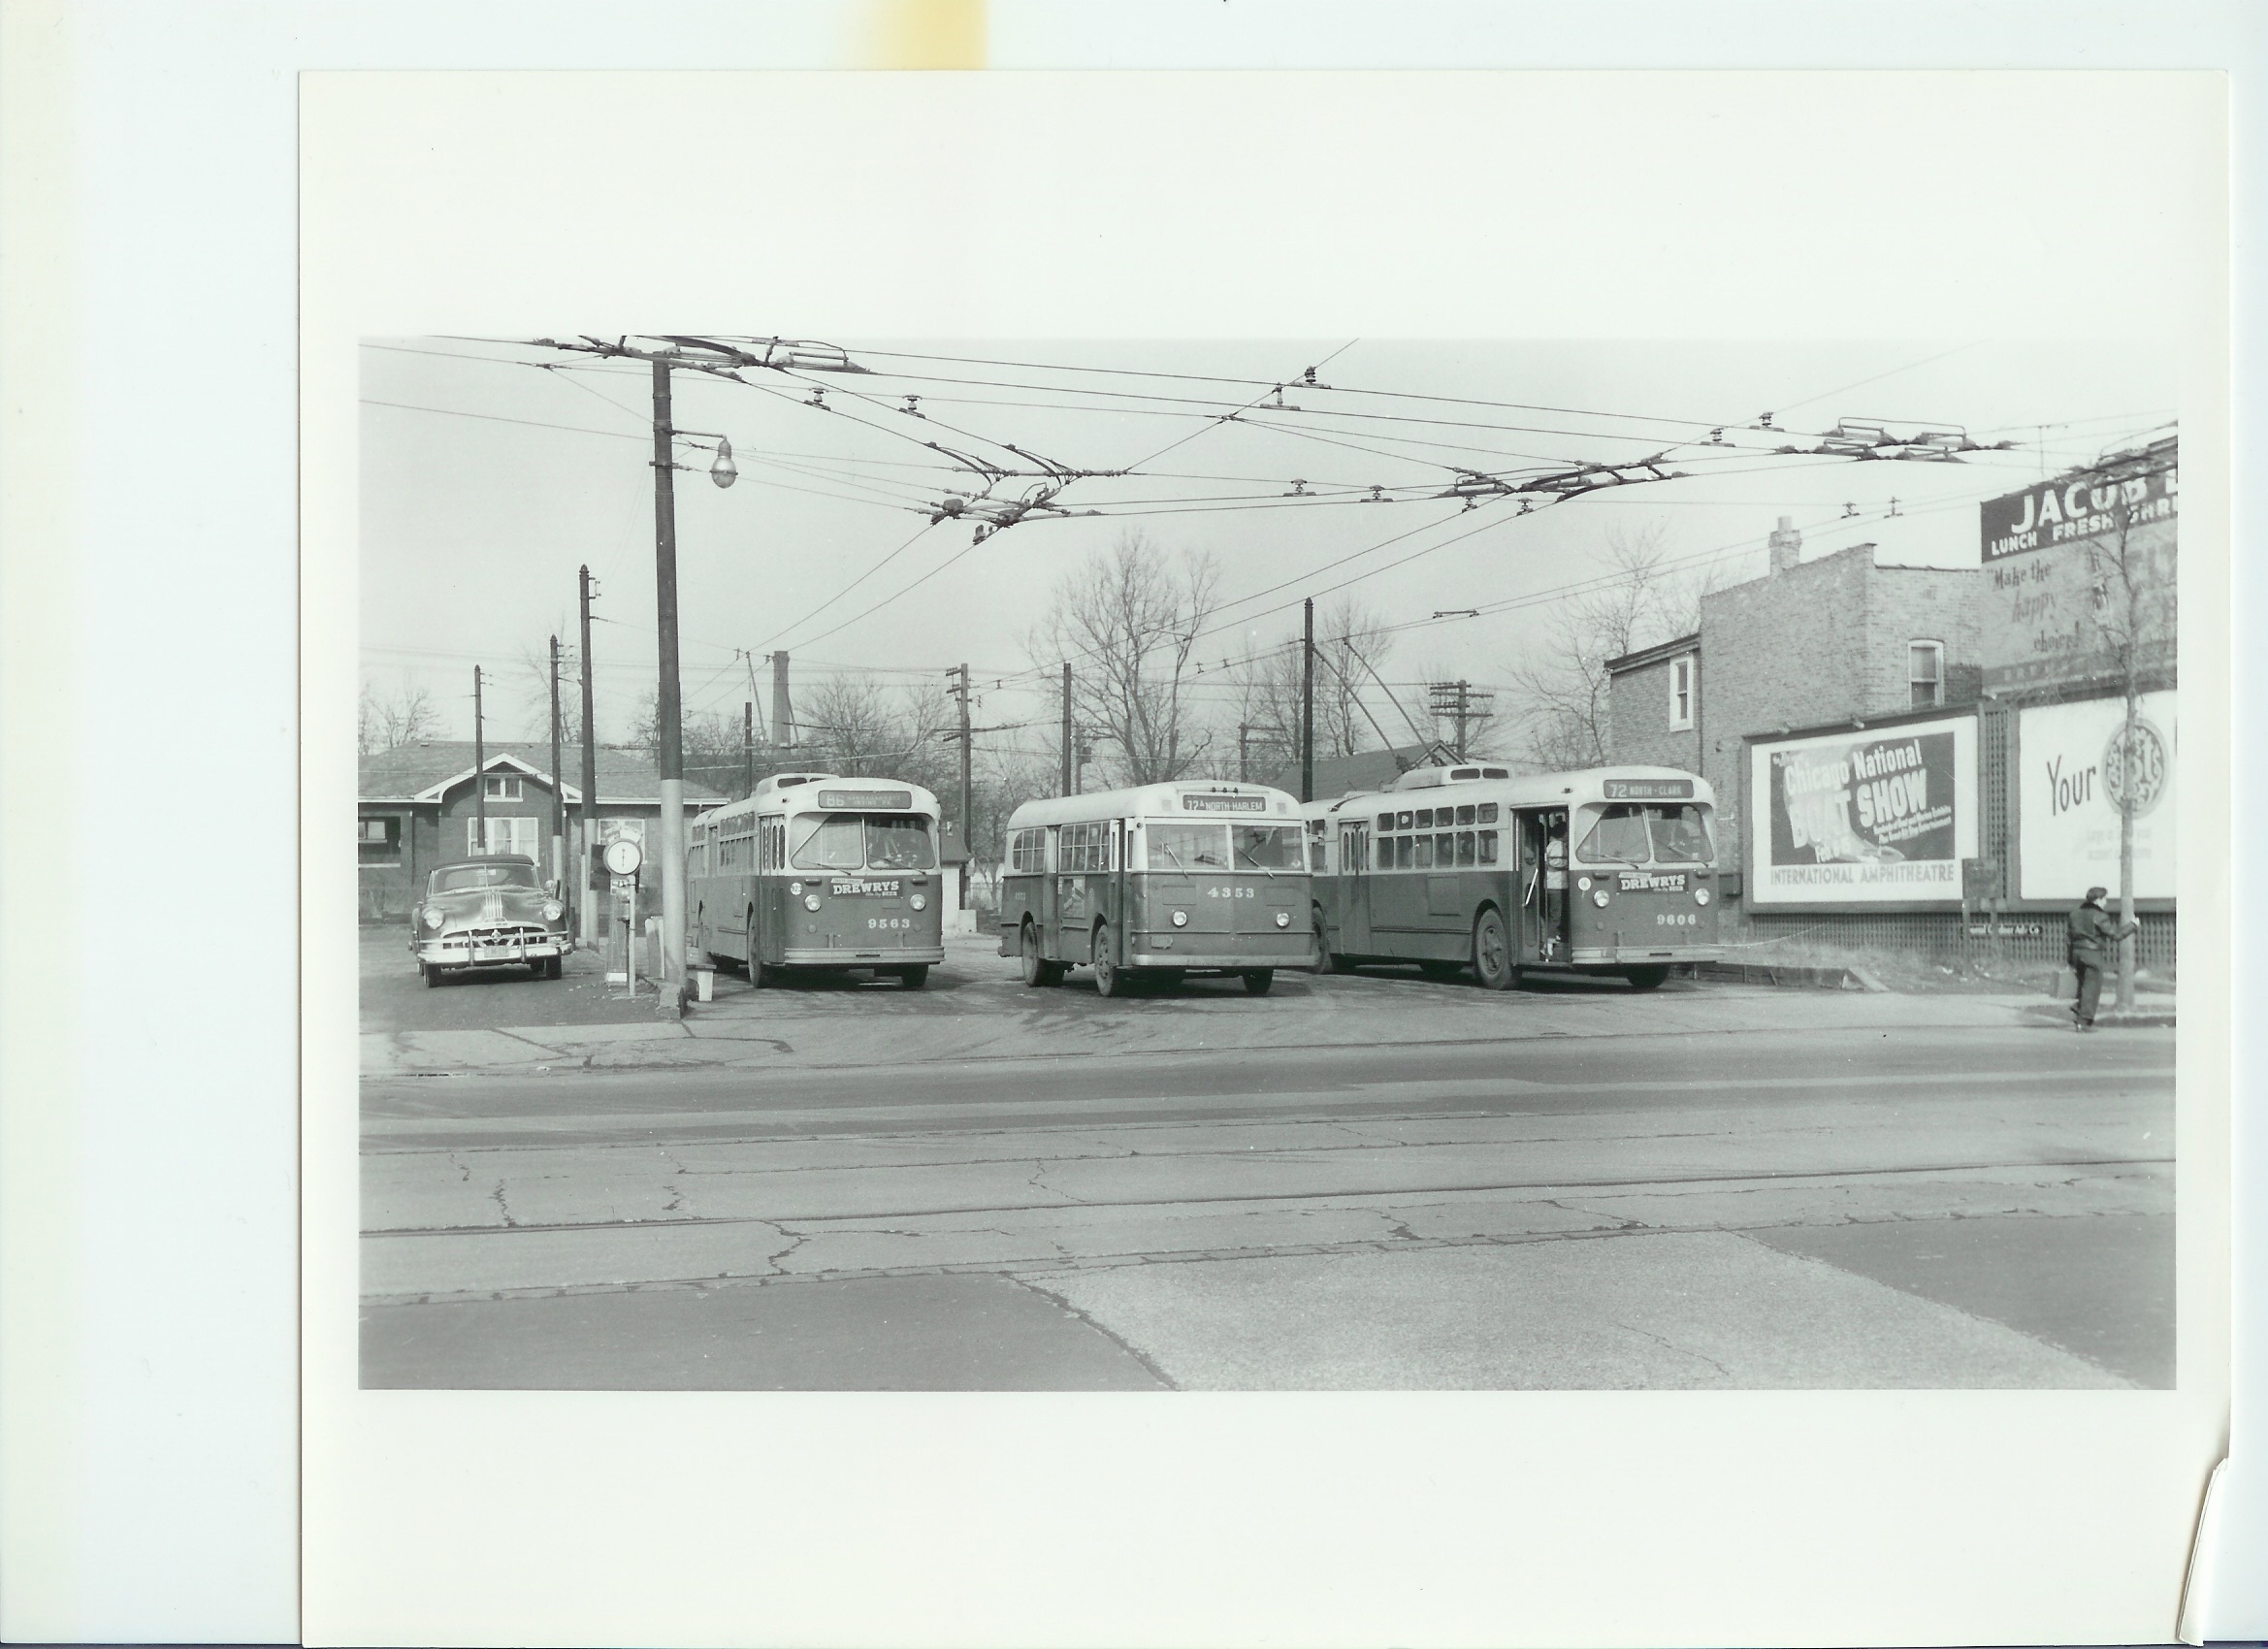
x,y
1356,1183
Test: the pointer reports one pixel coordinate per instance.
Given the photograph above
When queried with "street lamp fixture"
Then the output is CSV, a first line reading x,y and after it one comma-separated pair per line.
x,y
724,471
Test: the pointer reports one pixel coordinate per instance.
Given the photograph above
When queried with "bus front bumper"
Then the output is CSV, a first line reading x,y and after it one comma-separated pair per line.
x,y
1288,951
1629,955
843,956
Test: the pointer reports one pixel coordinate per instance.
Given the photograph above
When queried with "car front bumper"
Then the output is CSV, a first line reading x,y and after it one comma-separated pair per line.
x,y
463,951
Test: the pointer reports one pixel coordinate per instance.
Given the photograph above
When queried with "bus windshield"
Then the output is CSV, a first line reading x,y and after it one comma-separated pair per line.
x,y
1643,832
1188,847
1268,847
899,841
827,841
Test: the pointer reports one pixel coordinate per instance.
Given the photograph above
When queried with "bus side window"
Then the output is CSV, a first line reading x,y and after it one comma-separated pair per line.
x,y
1385,852
1424,852
1488,847
1404,852
1464,843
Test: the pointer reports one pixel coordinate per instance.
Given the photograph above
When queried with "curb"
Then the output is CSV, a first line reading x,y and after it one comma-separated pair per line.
x,y
2060,1014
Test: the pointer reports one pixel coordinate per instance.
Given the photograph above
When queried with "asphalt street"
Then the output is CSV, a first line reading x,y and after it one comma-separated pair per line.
x,y
1367,1183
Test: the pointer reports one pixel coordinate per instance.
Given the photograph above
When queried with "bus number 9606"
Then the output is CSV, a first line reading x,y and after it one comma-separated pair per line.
x,y
1675,918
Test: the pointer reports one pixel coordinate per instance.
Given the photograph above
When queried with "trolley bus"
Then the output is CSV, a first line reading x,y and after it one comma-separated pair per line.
x,y
1160,881
821,872
1611,870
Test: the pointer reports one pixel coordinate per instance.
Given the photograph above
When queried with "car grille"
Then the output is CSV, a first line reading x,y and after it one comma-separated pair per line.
x,y
510,935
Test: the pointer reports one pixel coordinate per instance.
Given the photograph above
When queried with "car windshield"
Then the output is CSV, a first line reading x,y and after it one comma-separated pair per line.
x,y
463,878
1188,847
826,841
899,841
1267,847
1643,832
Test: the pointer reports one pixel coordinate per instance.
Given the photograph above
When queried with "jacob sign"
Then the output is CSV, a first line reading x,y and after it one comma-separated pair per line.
x,y
2071,774
1877,816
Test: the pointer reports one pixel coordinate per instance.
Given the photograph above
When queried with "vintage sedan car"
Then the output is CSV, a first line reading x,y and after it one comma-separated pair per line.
x,y
488,912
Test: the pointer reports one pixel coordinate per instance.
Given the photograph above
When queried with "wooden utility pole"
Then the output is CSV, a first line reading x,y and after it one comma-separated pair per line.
x,y
967,835
748,748
1067,756
1307,709
669,732
558,790
582,878
479,771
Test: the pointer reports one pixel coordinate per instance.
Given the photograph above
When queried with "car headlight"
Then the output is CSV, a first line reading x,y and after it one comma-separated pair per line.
x,y
1598,898
553,910
1284,918
918,901
431,918
1701,896
1181,919
811,901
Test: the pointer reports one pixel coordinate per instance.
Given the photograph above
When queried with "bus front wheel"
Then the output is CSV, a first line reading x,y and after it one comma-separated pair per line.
x,y
1646,978
757,977
1492,953
1259,981
1110,979
1037,970
1325,961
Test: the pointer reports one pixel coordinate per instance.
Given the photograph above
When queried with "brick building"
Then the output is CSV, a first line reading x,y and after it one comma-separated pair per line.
x,y
1842,638
417,808
1870,790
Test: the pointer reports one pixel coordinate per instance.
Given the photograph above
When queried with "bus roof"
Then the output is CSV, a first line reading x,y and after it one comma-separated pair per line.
x,y
809,793
1158,801
1533,789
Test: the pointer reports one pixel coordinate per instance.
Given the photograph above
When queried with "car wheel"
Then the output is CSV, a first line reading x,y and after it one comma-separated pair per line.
x,y
553,966
915,977
433,975
1492,953
1259,981
1110,979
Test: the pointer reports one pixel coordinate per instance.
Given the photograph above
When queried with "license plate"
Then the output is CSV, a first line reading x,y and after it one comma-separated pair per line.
x,y
496,954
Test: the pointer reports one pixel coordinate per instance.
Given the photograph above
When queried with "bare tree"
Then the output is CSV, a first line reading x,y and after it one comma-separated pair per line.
x,y
710,742
1127,621
534,679
1354,710
382,721
1560,691
854,726
2134,615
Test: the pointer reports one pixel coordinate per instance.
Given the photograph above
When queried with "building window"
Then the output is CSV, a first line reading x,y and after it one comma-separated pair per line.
x,y
504,787
504,836
1681,694
1924,675
379,841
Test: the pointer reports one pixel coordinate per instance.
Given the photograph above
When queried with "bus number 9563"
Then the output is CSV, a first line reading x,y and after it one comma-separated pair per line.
x,y
889,922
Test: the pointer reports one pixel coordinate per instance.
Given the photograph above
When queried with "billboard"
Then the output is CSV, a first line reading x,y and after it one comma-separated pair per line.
x,y
1877,816
2056,559
2071,773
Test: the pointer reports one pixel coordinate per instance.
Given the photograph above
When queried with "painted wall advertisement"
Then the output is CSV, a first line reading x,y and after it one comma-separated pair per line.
x,y
1877,816
2074,567
2070,776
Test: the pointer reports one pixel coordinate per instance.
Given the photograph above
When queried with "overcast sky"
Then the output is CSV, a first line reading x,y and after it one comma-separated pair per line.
x,y
486,481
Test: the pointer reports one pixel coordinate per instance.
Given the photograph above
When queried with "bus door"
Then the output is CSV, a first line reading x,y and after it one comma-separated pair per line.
x,y
1064,919
1114,881
1542,924
768,942
1353,883
1553,886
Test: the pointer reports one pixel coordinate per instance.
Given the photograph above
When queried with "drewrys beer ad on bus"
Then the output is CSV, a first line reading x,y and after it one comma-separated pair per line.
x,y
1873,816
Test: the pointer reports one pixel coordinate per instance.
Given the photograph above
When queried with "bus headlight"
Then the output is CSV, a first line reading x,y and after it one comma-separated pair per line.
x,y
1582,884
795,889
1284,918
918,901
1598,898
1701,896
1181,919
811,901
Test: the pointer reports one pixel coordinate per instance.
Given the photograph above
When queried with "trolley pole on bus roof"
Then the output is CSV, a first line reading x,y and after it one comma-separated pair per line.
x,y
1307,709
479,770
558,790
583,891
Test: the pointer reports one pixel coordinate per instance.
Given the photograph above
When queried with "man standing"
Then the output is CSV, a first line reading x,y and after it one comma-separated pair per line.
x,y
2094,939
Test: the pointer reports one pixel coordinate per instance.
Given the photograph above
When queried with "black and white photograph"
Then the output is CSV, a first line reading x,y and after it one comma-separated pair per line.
x,y
1357,864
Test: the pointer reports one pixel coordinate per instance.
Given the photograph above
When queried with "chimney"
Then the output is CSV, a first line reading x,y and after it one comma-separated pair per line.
x,y
1787,545
783,713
